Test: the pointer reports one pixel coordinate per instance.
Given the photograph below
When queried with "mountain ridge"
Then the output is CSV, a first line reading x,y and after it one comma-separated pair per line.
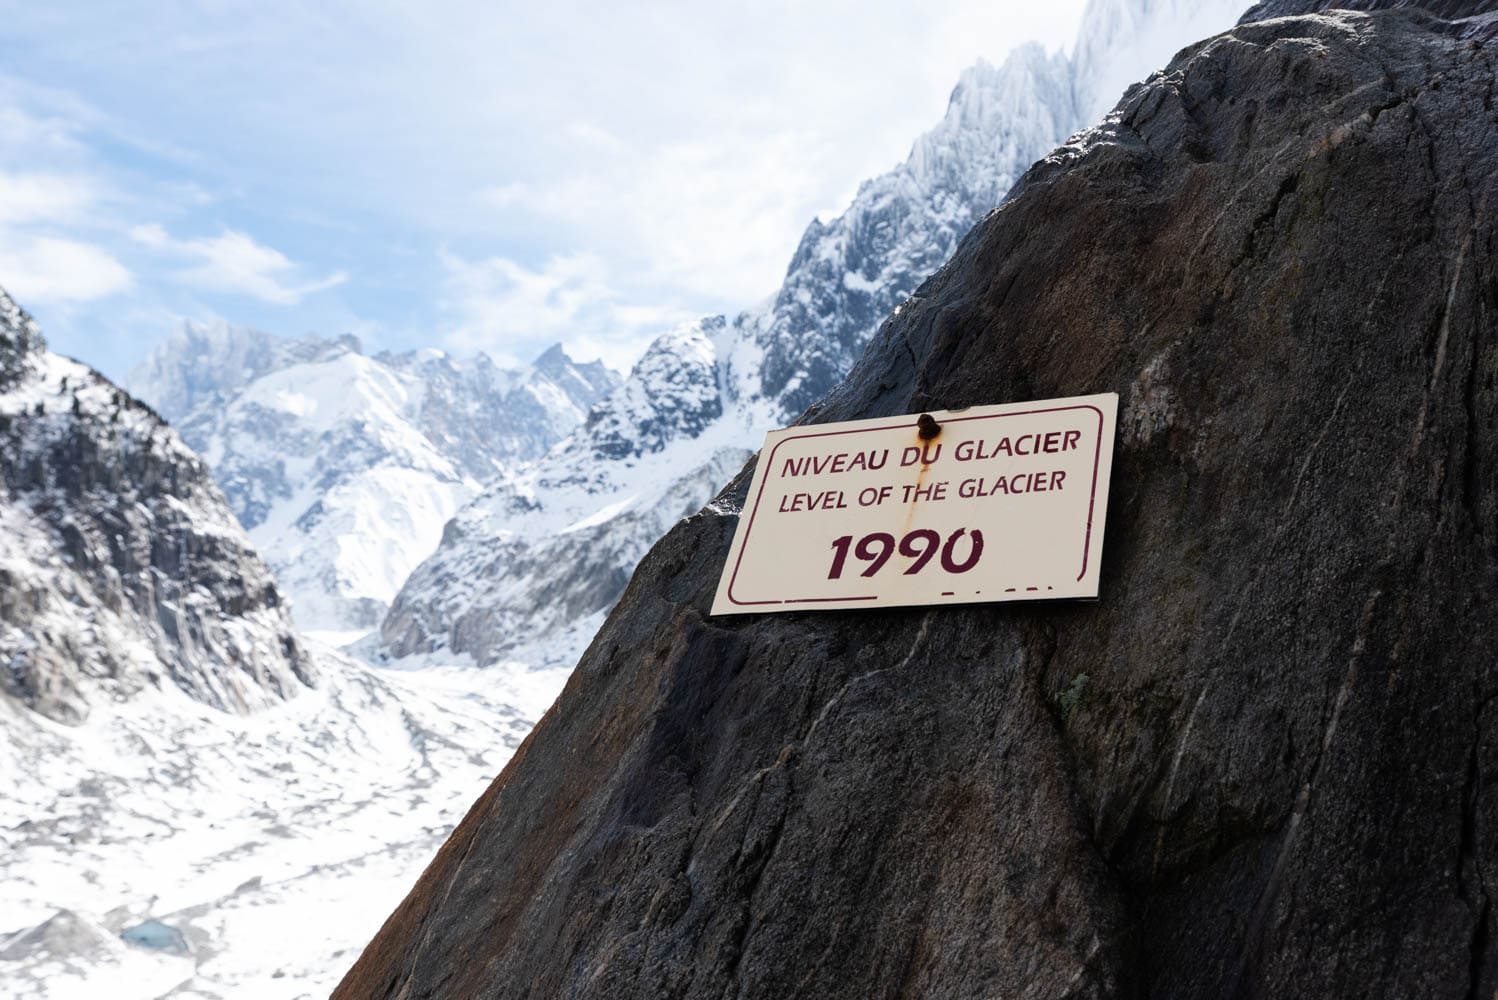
x,y
345,467
200,799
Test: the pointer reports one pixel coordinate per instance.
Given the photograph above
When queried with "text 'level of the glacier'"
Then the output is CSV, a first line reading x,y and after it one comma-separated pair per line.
x,y
990,503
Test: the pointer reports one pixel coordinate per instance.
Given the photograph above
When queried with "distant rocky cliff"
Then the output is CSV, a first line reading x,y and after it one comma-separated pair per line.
x,y
121,567
1262,765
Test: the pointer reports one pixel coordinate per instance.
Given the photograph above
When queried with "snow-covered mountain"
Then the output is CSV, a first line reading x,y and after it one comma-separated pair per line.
x,y
525,572
197,802
529,567
344,467
121,566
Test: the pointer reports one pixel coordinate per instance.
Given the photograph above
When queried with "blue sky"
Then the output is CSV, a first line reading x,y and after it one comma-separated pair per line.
x,y
463,175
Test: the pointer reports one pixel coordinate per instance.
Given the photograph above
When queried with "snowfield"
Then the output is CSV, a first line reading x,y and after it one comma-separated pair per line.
x,y
274,844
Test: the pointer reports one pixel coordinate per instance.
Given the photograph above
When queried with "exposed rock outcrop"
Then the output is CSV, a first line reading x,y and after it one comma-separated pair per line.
x,y
1453,10
121,566
1262,765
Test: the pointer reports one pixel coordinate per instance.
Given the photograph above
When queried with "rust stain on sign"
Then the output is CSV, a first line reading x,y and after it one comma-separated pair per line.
x,y
926,429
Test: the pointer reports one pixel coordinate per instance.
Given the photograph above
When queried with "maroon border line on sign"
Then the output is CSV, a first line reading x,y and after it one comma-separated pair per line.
x,y
770,465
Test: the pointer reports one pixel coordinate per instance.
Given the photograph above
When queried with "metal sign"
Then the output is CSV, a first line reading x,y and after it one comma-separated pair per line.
x,y
991,503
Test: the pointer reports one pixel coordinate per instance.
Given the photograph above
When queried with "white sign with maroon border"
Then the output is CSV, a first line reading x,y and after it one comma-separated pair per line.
x,y
990,503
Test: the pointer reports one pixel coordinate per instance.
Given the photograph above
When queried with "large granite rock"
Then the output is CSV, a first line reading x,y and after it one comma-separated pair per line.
x,y
1261,765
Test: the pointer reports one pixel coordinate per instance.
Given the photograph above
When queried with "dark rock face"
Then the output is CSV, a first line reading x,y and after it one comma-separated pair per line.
x,y
1261,766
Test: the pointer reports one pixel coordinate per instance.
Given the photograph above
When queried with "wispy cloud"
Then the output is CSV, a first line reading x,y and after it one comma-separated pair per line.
x,y
495,295
715,219
153,151
40,266
235,263
53,270
496,304
44,197
507,195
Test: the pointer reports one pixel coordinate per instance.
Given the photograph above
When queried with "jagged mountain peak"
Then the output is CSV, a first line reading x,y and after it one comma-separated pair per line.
x,y
848,273
203,360
672,392
345,466
985,90
555,358
597,379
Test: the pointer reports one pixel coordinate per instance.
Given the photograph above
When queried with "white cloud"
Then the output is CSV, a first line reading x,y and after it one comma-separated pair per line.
x,y
50,270
50,253
688,158
505,195
42,197
39,123
696,172
496,296
624,333
39,266
696,217
235,263
512,311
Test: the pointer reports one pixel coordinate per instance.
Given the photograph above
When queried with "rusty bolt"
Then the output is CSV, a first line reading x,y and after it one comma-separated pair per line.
x,y
927,427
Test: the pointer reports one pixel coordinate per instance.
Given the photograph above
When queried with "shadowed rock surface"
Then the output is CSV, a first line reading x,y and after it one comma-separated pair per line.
x,y
1276,778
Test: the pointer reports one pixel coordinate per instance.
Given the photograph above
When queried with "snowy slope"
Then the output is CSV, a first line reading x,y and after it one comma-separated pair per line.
x,y
344,467
162,848
515,568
